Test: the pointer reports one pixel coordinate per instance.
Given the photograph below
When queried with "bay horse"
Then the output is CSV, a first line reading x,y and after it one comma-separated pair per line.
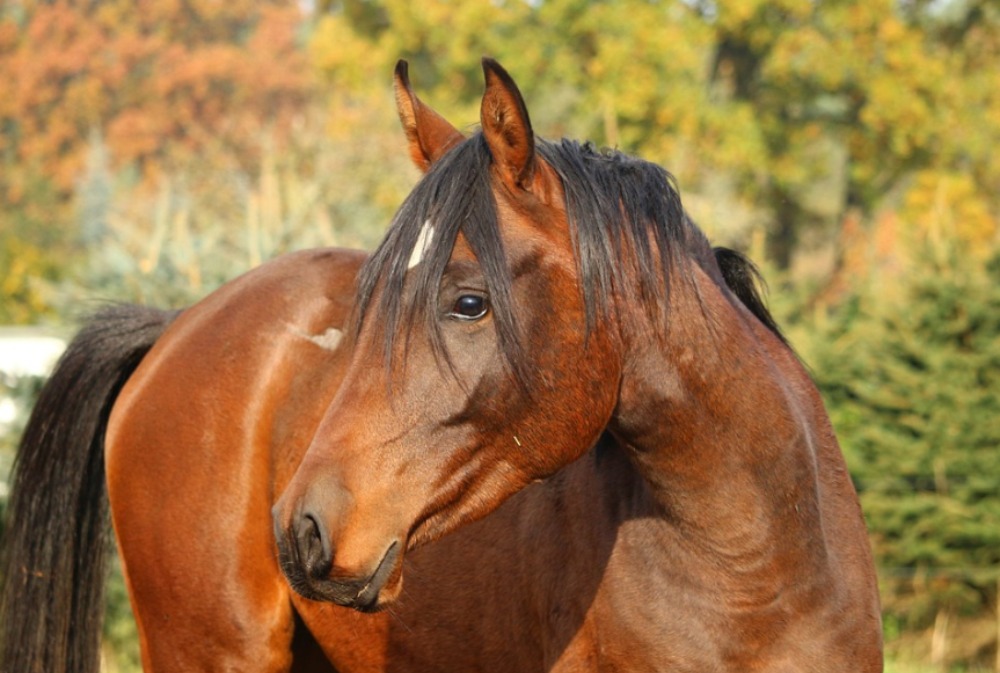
x,y
544,427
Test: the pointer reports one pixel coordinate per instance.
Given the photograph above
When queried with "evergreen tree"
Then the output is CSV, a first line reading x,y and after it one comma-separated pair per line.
x,y
910,367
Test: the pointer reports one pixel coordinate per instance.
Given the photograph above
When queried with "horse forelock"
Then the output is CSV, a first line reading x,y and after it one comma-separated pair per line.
x,y
625,217
455,196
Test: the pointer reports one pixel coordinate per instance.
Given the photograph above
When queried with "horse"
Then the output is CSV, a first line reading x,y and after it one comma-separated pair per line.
x,y
545,426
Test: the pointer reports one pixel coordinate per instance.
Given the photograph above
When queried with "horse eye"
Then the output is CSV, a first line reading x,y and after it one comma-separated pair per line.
x,y
470,307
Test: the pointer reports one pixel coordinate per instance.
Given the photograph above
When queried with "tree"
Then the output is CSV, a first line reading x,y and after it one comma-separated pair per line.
x,y
798,112
910,366
162,81
165,86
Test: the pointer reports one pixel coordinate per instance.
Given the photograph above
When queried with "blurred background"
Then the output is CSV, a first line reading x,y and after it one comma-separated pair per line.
x,y
152,150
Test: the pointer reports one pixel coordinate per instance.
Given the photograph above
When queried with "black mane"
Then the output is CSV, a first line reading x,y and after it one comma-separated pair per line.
x,y
456,195
624,212
625,216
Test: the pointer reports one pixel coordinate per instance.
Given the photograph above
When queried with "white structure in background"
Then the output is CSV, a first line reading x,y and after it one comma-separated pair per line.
x,y
25,351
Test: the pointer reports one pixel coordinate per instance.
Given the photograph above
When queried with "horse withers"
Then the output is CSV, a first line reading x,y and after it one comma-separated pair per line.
x,y
551,430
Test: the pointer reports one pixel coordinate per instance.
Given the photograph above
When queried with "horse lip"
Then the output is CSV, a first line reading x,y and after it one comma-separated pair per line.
x,y
360,595
368,595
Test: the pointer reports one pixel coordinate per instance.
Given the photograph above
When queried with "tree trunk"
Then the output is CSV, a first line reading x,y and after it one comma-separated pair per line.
x,y
939,639
783,234
996,664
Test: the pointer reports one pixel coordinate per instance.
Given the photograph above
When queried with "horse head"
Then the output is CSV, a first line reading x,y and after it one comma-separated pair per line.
x,y
475,370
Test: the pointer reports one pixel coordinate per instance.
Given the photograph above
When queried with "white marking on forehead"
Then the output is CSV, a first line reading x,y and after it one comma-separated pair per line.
x,y
422,244
328,340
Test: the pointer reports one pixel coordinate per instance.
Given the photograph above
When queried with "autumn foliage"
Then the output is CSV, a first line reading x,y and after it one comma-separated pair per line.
x,y
163,81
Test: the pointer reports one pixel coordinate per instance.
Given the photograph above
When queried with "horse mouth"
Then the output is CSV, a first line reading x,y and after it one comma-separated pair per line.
x,y
362,594
367,599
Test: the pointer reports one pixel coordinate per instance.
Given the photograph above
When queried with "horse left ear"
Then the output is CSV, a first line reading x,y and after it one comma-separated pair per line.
x,y
507,127
430,135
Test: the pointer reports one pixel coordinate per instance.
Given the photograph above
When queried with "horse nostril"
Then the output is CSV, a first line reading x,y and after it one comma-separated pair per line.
x,y
313,546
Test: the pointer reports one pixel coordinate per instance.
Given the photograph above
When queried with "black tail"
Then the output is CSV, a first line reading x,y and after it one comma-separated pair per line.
x,y
56,537
744,279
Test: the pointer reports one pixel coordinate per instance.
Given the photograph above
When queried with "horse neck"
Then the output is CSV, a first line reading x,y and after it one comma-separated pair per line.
x,y
728,432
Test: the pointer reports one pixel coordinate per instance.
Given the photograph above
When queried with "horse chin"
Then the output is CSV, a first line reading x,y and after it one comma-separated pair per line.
x,y
319,592
387,596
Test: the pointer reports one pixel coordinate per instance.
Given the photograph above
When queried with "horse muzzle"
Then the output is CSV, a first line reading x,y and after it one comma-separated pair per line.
x,y
307,558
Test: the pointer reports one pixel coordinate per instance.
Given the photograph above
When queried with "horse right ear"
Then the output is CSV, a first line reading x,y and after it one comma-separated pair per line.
x,y
507,128
428,133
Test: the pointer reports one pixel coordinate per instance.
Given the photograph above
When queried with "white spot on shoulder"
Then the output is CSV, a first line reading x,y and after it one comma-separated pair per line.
x,y
422,244
328,340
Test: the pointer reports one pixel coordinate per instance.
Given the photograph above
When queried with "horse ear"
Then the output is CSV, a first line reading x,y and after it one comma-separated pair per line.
x,y
428,133
507,127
